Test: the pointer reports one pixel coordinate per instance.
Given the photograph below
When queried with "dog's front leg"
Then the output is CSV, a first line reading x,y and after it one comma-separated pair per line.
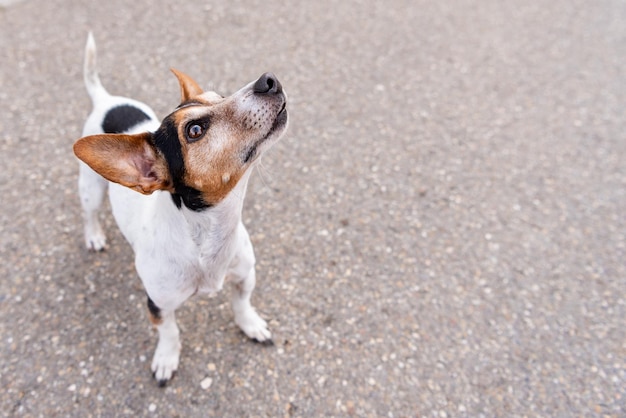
x,y
167,353
243,278
246,317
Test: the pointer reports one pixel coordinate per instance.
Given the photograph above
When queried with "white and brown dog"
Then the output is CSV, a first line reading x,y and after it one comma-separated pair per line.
x,y
176,189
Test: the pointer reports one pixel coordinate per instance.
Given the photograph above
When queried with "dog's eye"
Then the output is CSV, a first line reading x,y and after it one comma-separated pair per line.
x,y
195,130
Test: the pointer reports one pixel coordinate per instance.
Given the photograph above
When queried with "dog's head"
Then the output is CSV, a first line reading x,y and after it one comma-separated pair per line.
x,y
201,150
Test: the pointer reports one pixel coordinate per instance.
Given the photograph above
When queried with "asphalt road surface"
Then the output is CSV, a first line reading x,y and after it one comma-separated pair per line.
x,y
441,233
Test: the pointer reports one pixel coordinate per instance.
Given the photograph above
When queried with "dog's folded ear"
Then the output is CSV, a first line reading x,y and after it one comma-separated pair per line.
x,y
130,160
188,87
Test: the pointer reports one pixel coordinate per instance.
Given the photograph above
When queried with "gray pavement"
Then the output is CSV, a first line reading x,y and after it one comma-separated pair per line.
x,y
441,233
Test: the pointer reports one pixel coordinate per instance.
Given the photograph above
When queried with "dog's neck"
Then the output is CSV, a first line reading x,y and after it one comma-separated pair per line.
x,y
213,228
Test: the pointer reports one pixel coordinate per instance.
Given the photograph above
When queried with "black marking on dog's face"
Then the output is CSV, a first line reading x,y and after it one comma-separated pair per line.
x,y
166,140
121,118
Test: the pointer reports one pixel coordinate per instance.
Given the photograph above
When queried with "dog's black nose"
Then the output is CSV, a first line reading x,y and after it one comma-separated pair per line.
x,y
267,84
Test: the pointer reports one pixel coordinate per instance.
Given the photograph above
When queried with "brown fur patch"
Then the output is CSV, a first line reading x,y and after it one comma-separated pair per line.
x,y
217,154
156,321
188,87
130,160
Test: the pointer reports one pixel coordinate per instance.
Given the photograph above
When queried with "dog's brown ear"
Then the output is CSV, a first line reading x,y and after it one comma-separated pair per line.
x,y
130,160
188,87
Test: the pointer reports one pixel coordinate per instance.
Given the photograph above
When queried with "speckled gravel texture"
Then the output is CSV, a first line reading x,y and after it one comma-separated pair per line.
x,y
441,233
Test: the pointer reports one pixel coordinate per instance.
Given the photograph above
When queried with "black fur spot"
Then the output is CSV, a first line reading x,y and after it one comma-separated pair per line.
x,y
122,118
166,140
155,311
190,197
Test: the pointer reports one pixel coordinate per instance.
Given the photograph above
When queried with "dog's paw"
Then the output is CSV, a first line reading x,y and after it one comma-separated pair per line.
x,y
95,240
254,326
165,362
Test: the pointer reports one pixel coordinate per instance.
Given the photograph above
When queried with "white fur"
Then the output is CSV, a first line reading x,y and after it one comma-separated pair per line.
x,y
178,252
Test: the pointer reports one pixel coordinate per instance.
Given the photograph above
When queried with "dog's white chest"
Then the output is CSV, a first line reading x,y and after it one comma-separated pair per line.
x,y
184,251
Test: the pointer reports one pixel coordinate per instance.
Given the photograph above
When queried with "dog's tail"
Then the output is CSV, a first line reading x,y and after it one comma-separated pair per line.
x,y
90,71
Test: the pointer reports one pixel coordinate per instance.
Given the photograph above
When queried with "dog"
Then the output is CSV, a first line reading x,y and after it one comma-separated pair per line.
x,y
176,189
